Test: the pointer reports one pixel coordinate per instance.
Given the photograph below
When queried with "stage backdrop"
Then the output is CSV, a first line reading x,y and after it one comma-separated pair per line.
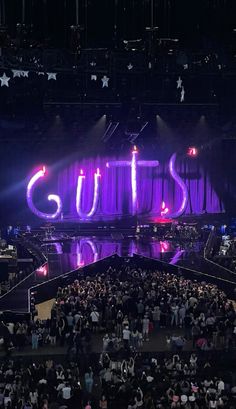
x,y
154,185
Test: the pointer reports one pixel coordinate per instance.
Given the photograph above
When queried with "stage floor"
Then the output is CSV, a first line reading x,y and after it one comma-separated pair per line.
x,y
66,254
81,251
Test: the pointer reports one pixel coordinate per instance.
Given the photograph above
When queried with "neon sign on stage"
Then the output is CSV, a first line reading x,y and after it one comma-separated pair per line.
x,y
53,198
97,177
133,164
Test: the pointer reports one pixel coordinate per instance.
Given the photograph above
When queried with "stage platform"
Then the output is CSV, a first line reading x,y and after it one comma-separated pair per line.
x,y
73,246
150,226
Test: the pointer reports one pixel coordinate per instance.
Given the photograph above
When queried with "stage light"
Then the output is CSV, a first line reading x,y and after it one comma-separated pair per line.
x,y
163,128
43,271
192,151
177,256
96,132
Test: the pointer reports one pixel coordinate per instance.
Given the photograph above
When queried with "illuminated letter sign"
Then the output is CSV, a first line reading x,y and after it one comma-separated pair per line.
x,y
133,165
81,178
182,186
55,198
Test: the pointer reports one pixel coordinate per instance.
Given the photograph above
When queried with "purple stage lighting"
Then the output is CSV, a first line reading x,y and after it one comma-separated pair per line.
x,y
129,187
182,186
53,198
177,257
79,248
81,178
133,165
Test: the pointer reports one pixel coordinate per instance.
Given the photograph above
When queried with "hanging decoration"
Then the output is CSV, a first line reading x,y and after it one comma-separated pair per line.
x,y
179,83
4,80
24,74
16,73
105,81
52,76
182,94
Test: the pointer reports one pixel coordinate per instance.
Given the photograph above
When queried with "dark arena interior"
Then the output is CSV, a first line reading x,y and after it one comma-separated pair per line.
x,y
117,204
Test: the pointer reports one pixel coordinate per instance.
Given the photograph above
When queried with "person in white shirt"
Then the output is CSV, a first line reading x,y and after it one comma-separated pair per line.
x,y
95,320
145,330
174,314
221,386
66,392
126,336
33,397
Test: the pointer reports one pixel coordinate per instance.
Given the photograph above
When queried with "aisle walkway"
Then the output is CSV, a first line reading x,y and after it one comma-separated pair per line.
x,y
157,343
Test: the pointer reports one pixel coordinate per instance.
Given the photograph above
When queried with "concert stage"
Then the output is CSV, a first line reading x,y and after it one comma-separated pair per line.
x,y
71,255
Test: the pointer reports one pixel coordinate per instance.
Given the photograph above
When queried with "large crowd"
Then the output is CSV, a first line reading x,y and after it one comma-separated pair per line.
x,y
118,381
125,309
127,306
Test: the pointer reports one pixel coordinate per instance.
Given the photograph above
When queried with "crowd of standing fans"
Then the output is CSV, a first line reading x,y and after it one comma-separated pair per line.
x,y
127,306
124,310
121,380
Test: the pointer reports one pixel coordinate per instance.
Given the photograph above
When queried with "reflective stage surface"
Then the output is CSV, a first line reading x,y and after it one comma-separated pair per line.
x,y
69,254
81,251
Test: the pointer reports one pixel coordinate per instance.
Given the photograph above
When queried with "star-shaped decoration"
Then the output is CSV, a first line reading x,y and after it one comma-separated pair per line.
x,y
94,77
182,95
16,73
105,81
52,76
4,80
130,66
179,83
185,66
41,73
25,74
93,64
